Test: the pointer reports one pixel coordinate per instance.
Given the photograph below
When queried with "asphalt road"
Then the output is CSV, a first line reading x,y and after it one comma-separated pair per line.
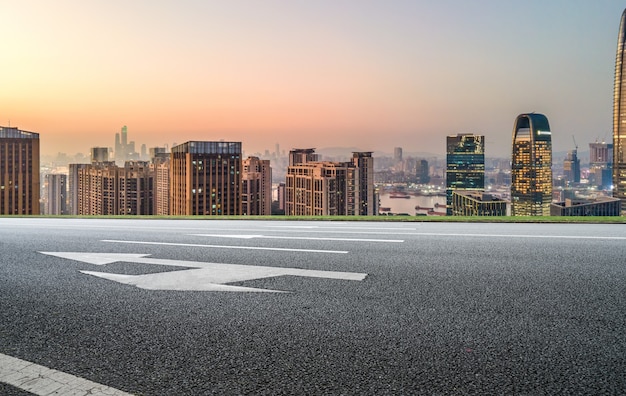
x,y
445,308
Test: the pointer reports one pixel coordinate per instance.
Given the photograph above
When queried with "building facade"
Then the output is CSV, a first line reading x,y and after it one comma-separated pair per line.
x,y
103,188
205,178
19,172
601,165
603,206
256,187
619,115
325,188
571,168
473,203
531,166
465,165
56,194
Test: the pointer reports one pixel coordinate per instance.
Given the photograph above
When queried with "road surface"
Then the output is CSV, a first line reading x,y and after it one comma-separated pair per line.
x,y
164,307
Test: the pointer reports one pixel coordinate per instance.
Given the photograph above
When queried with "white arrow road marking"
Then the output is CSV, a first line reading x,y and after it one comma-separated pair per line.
x,y
43,381
201,277
227,247
300,238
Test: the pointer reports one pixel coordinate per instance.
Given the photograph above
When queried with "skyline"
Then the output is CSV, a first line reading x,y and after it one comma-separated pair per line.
x,y
302,74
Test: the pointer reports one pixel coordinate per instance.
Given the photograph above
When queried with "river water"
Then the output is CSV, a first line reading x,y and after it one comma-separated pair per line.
x,y
407,205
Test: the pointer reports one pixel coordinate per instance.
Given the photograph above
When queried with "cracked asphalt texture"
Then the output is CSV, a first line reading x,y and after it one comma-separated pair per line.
x,y
437,314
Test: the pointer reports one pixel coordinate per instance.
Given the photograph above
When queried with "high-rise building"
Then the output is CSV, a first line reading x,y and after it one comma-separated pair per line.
x,y
531,166
19,172
619,116
571,167
256,187
364,200
324,188
56,194
601,165
103,188
205,178
465,165
161,164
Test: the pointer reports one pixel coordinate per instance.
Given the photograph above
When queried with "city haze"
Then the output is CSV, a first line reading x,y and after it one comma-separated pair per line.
x,y
307,74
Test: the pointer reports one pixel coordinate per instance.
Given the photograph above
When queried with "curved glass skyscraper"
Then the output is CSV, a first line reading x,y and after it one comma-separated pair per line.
x,y
619,116
531,166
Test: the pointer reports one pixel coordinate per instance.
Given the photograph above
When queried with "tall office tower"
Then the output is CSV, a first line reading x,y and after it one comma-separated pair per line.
x,y
601,165
571,167
397,154
465,165
619,116
56,202
99,154
364,200
531,166
302,156
205,178
256,187
324,188
106,189
19,172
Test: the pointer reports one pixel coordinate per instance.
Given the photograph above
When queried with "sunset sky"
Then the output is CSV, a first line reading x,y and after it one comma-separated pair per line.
x,y
303,73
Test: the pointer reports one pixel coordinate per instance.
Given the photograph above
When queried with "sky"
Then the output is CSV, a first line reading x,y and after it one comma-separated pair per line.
x,y
372,75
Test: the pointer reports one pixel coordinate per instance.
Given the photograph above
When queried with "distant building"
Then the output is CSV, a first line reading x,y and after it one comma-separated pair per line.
x,y
571,167
531,166
465,165
19,172
205,178
601,165
475,203
397,154
325,188
256,187
421,172
99,154
56,194
603,206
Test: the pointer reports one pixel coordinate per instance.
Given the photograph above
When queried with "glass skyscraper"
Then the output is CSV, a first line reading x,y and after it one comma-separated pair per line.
x,y
465,165
619,117
531,166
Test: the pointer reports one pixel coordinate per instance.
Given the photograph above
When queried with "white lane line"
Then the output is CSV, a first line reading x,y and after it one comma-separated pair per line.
x,y
340,227
433,234
227,247
43,381
300,238
520,236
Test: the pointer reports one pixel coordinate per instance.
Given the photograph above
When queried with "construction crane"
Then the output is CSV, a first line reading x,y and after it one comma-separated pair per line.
x,y
575,144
